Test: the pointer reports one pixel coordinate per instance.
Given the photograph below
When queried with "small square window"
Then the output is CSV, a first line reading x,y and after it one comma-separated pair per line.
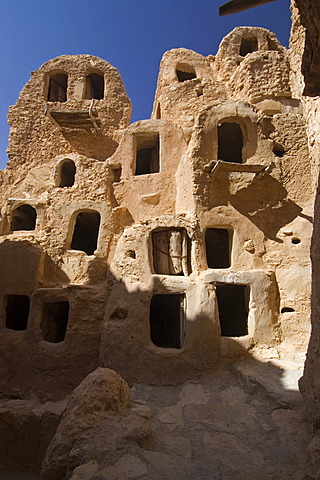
x,y
147,154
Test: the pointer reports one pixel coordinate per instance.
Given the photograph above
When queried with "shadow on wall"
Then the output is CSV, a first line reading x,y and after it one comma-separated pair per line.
x,y
171,331
93,145
264,201
142,338
49,329
149,336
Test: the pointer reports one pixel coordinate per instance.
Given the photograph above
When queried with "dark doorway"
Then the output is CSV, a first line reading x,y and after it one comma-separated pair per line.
x,y
233,305
167,320
54,321
147,154
171,249
95,86
67,173
58,85
17,311
185,72
86,231
248,45
230,142
217,248
23,218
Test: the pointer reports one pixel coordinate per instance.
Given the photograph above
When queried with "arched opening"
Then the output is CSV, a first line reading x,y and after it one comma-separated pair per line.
x,y
230,142
58,85
54,321
94,86
248,45
23,218
67,173
185,72
86,231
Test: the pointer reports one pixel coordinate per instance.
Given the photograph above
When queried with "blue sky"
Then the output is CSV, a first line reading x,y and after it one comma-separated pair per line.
x,y
131,34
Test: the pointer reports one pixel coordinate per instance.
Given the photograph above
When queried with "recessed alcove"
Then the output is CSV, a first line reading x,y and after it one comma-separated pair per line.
x,y
95,86
58,84
287,310
23,218
116,174
147,154
86,231
185,72
171,251
233,306
66,174
278,149
54,321
218,251
248,45
167,320
295,241
230,142
17,311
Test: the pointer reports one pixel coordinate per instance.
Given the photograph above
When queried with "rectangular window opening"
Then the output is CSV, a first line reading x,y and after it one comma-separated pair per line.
x,y
230,142
147,154
54,321
171,250
17,311
233,305
167,320
116,174
218,247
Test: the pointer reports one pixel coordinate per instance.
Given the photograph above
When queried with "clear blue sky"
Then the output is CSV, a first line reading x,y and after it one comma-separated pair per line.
x,y
131,34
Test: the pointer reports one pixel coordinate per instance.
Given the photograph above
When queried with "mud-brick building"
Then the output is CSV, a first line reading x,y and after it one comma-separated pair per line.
x,y
161,247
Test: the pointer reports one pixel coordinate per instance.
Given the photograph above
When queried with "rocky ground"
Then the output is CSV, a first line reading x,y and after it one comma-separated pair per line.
x,y
242,422
236,424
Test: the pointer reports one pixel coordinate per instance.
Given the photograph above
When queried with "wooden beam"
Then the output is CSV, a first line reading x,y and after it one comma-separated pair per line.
x,y
235,6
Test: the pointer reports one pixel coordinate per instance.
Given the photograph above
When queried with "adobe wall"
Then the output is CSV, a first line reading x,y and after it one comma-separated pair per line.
x,y
305,59
160,195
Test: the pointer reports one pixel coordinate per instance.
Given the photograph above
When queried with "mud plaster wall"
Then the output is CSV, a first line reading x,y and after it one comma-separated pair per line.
x,y
265,203
305,63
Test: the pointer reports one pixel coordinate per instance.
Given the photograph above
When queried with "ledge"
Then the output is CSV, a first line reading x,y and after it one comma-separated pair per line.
x,y
215,165
77,119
